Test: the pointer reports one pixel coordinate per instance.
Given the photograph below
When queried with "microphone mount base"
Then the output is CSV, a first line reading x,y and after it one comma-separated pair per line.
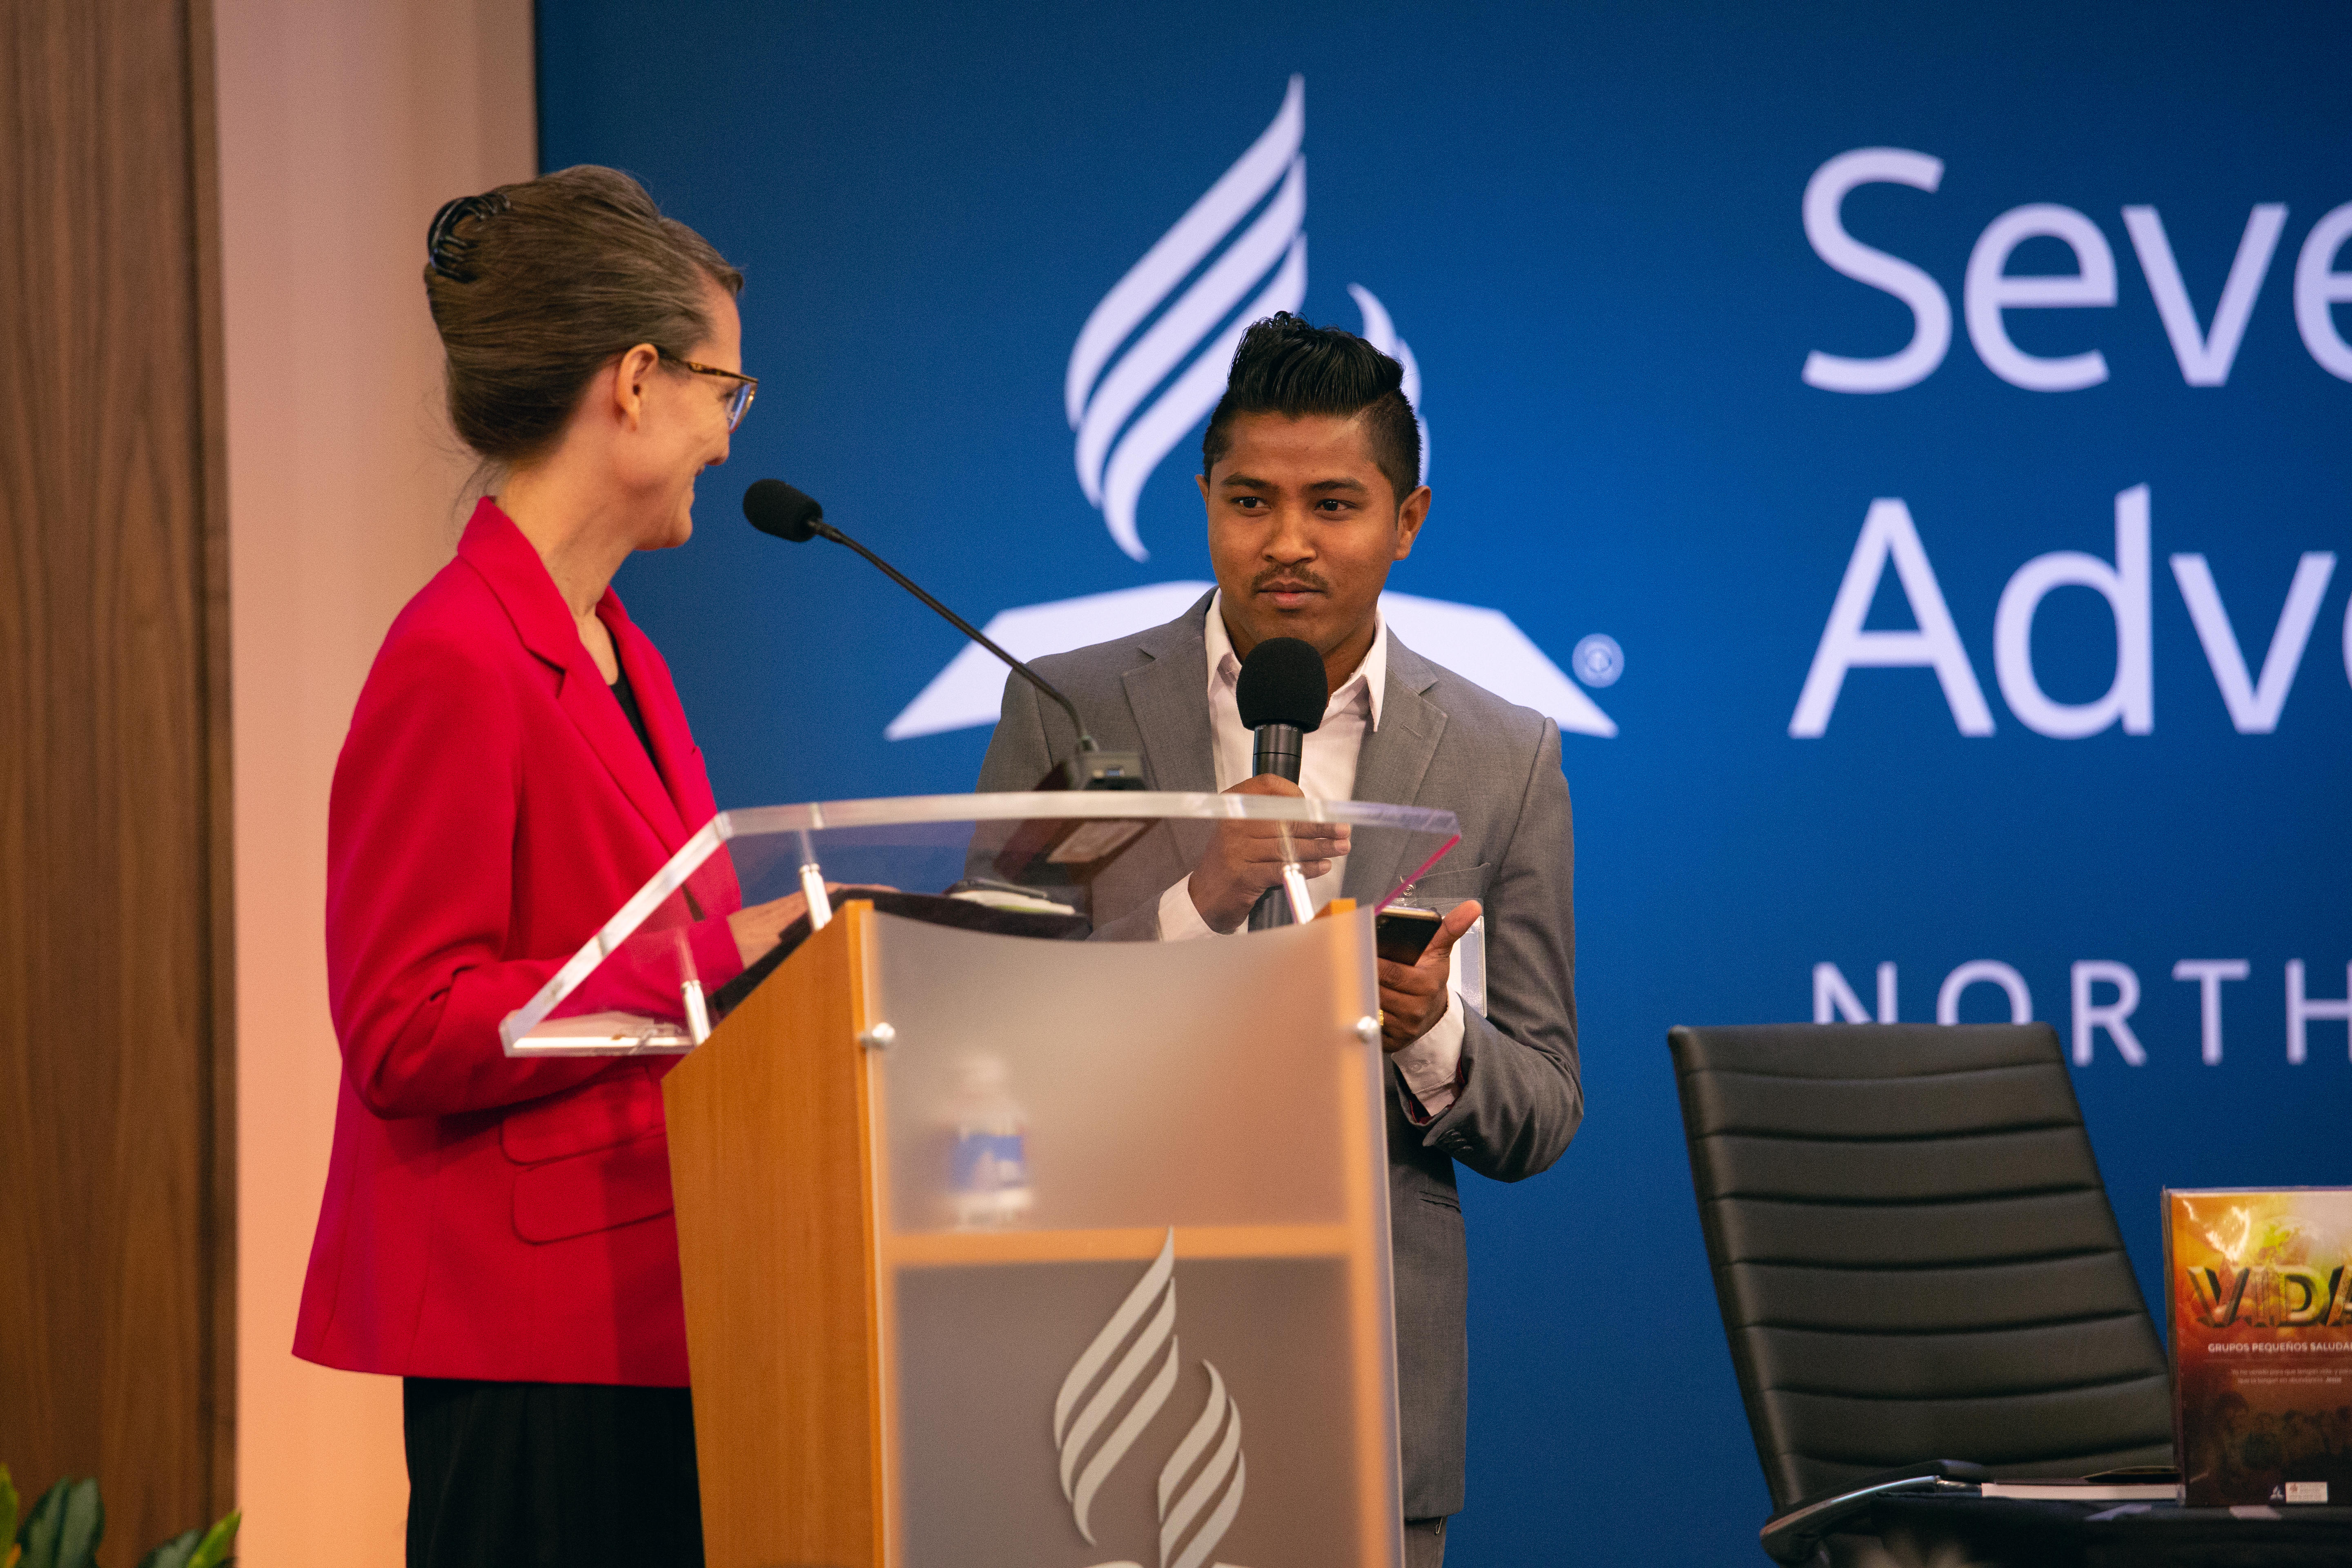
x,y
1096,770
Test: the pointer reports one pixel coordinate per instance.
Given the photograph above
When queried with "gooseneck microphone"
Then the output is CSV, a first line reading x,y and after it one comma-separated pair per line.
x,y
1282,693
776,508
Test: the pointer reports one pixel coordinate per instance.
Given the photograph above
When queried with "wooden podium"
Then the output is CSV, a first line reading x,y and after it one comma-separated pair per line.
x,y
940,1190
881,1379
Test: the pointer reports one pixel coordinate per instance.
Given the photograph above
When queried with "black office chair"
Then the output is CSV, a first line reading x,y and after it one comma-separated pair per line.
x,y
1915,1262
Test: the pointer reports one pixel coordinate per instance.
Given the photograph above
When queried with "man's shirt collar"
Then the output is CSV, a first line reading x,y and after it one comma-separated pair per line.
x,y
1371,677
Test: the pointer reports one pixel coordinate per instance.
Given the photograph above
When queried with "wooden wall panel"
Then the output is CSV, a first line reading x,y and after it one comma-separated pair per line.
x,y
115,1211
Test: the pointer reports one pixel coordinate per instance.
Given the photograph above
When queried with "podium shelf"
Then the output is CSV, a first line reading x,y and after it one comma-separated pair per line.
x,y
969,1249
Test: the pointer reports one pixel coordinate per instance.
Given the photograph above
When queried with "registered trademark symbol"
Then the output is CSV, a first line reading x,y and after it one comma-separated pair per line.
x,y
1598,661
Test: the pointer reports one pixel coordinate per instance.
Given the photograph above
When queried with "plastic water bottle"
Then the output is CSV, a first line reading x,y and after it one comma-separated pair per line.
x,y
988,1162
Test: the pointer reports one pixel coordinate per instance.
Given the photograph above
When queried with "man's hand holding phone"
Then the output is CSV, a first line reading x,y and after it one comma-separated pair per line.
x,y
1412,996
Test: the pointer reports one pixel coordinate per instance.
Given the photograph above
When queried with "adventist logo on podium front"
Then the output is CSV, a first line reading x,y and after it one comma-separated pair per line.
x,y
1200,1485
1148,365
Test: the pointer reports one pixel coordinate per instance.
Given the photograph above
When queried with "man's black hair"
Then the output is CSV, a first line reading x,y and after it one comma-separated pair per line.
x,y
1284,367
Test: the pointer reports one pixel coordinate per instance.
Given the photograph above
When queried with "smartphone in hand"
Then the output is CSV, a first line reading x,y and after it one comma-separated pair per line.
x,y
1402,934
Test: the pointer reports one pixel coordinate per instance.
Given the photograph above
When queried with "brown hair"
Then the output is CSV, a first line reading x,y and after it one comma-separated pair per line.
x,y
1284,367
537,286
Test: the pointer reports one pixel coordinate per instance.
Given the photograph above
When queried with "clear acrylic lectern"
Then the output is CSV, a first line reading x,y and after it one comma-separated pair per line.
x,y
1005,1247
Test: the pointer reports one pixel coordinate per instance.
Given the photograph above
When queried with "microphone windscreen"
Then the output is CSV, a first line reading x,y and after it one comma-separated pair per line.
x,y
773,507
1282,682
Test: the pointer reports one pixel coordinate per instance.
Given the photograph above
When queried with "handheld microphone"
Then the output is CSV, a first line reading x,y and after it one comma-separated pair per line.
x,y
774,507
1282,693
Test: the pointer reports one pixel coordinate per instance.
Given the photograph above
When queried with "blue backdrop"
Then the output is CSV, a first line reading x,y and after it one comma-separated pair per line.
x,y
1591,225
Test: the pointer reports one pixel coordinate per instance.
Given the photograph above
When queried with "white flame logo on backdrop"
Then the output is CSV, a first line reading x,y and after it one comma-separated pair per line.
x,y
1101,392
1381,332
1275,241
1133,391
1076,1425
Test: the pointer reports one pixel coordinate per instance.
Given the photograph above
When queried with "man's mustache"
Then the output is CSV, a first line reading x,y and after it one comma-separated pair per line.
x,y
1289,577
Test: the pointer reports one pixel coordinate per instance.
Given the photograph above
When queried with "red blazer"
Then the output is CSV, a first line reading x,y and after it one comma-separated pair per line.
x,y
488,1218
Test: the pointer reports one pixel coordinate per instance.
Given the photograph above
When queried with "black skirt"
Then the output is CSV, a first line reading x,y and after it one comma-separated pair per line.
x,y
550,1475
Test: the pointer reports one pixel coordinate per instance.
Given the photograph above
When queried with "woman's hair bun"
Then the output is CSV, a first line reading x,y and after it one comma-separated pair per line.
x,y
538,285
445,248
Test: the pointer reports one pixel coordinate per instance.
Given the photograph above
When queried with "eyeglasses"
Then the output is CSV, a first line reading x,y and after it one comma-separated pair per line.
x,y
739,402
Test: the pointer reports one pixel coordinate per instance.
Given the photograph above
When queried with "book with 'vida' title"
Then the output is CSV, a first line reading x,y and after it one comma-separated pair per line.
x,y
2259,1288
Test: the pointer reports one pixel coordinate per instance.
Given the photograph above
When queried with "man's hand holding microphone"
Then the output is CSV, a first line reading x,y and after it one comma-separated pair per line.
x,y
1245,859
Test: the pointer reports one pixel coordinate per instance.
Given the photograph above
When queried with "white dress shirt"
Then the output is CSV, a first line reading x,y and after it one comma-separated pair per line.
x,y
1327,771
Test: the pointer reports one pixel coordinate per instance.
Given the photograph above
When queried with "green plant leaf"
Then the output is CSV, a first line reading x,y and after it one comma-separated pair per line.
x,y
7,1515
84,1526
65,1527
38,1534
212,1551
174,1553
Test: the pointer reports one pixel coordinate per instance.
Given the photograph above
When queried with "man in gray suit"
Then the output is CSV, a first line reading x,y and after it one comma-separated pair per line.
x,y
1310,472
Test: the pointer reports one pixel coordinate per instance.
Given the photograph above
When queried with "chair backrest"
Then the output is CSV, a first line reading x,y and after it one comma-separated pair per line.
x,y
1913,1253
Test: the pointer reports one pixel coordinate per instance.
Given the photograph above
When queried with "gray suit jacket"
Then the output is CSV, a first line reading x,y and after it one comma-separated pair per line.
x,y
1442,742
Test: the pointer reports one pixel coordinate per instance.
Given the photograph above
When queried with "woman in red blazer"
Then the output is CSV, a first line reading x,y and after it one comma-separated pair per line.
x,y
498,1231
